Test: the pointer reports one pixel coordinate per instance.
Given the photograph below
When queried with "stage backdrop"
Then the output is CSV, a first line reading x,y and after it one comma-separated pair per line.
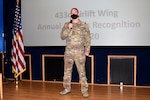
x,y
100,52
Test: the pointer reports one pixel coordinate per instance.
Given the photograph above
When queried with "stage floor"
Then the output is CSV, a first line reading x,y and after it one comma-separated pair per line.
x,y
27,90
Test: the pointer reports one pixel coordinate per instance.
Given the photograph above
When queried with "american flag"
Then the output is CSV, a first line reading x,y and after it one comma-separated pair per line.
x,y
18,61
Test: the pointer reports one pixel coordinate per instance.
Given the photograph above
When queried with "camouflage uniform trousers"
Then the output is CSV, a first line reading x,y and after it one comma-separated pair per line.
x,y
78,57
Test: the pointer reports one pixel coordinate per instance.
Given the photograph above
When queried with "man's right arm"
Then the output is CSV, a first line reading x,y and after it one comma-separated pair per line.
x,y
65,31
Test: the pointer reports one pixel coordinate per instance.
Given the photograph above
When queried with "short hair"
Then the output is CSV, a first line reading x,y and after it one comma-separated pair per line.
x,y
75,9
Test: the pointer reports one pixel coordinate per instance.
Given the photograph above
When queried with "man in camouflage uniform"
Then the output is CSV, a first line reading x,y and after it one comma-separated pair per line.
x,y
78,40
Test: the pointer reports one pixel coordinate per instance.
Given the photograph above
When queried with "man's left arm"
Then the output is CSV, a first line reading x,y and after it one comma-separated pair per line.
x,y
87,40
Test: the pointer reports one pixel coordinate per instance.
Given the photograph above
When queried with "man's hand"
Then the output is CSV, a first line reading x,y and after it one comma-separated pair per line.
x,y
70,26
87,53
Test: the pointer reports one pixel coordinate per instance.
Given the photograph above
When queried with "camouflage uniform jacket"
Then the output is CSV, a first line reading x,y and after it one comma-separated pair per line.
x,y
78,37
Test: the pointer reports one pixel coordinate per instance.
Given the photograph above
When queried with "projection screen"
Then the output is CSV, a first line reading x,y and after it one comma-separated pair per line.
x,y
111,22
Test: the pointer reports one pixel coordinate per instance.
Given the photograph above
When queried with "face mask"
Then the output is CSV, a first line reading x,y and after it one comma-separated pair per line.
x,y
74,16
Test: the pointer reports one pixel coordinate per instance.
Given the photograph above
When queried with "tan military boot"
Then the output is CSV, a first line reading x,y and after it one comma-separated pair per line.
x,y
64,92
85,94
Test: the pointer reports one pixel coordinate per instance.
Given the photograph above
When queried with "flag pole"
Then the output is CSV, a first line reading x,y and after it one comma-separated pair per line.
x,y
16,80
19,65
